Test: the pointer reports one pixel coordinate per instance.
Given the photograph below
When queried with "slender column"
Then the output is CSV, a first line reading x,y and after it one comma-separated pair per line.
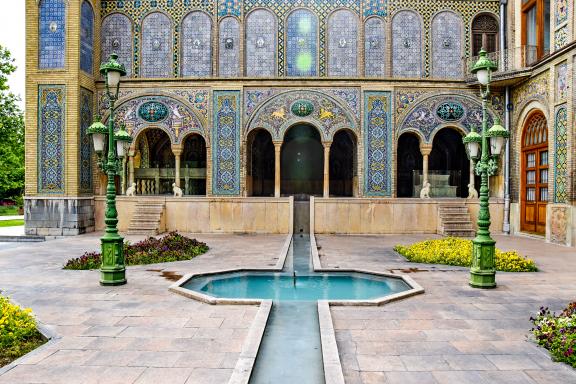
x,y
277,152
327,169
425,150
177,151
131,153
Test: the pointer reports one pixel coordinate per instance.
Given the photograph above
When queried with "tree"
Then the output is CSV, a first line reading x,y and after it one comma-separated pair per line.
x,y
11,133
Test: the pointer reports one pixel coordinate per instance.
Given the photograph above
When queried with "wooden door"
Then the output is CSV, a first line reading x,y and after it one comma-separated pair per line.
x,y
534,192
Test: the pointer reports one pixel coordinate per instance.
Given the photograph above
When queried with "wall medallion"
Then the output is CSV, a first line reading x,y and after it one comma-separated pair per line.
x,y
153,111
450,111
302,108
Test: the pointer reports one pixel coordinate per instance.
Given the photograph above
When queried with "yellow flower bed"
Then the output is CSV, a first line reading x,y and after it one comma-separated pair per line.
x,y
455,251
18,333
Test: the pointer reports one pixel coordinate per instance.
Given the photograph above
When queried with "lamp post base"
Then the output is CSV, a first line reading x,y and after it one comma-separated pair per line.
x,y
482,273
112,271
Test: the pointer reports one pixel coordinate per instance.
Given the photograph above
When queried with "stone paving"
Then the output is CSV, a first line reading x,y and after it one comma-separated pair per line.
x,y
138,333
453,333
142,333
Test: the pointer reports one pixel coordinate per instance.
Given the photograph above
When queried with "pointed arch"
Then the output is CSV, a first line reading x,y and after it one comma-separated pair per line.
x,y
156,45
196,45
116,36
342,43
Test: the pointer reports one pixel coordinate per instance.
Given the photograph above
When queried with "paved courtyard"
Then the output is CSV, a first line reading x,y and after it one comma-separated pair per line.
x,y
142,333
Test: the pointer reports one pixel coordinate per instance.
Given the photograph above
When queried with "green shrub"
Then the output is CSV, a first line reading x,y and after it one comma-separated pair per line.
x,y
172,247
18,333
557,333
455,251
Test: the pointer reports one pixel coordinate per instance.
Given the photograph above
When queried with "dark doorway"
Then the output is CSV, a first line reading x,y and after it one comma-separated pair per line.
x,y
342,164
302,161
260,163
409,160
448,157
193,165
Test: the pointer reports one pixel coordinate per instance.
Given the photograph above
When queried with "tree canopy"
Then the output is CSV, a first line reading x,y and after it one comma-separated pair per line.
x,y
11,134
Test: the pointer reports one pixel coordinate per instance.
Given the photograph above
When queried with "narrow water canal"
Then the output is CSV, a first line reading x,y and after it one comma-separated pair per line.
x,y
291,351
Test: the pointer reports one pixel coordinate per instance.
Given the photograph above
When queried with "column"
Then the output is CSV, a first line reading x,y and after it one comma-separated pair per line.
x,y
327,169
472,193
425,151
131,153
177,151
277,152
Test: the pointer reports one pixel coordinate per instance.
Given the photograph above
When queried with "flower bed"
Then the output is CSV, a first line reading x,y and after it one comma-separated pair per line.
x,y
18,333
557,333
172,247
455,251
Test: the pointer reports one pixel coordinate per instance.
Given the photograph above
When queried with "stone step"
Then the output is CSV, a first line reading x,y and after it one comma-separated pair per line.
x,y
146,218
455,220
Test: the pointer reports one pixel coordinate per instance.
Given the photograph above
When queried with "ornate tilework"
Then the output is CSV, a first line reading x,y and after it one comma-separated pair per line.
x,y
406,97
535,88
51,130
156,46
226,143
406,45
87,38
329,114
229,48
375,7
229,7
253,98
86,116
302,43
196,45
561,155
561,37
167,114
447,46
561,81
425,119
343,44
560,11
322,8
52,34
374,47
198,98
116,36
378,139
261,44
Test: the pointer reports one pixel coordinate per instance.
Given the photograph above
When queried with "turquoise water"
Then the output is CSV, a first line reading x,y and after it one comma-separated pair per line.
x,y
283,287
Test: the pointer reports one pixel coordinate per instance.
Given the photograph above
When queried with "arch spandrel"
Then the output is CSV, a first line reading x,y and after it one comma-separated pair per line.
x,y
176,118
433,113
327,114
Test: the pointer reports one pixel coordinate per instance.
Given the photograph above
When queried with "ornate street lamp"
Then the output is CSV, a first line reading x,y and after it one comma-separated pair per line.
x,y
483,271
113,269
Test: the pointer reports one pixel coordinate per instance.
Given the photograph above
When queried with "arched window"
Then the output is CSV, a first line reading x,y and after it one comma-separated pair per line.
x,y
375,47
534,174
302,43
52,34
87,38
196,45
447,46
229,47
156,46
484,33
407,45
116,36
343,44
261,43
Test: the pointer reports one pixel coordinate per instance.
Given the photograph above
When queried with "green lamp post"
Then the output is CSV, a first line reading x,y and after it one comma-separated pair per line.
x,y
483,271
113,269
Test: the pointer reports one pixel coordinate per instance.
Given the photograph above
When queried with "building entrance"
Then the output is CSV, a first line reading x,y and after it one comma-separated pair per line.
x,y
302,161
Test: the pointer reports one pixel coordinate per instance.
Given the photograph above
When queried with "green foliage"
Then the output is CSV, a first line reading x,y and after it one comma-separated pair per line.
x,y
8,210
172,247
11,223
18,333
455,251
11,132
557,333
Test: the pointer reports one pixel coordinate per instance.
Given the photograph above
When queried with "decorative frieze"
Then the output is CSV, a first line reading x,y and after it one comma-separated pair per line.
x,y
378,140
226,143
51,129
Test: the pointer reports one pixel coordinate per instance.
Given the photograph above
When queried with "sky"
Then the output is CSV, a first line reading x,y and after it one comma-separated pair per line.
x,y
12,36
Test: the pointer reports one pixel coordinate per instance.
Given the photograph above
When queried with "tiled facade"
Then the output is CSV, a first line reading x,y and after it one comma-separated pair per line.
x,y
221,69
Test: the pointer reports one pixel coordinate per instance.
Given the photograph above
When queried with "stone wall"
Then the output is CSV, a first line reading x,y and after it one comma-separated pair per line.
x,y
59,216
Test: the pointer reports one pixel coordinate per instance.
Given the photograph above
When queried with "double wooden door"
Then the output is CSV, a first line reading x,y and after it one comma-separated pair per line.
x,y
534,193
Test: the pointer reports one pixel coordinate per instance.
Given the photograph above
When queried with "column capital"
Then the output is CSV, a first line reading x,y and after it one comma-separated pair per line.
x,y
425,149
177,149
327,144
277,144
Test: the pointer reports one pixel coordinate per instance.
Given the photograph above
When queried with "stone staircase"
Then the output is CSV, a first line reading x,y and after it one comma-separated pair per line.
x,y
147,218
455,220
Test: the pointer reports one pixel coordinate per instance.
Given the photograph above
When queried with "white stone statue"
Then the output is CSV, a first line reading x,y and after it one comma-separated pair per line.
x,y
177,190
425,192
131,191
472,193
